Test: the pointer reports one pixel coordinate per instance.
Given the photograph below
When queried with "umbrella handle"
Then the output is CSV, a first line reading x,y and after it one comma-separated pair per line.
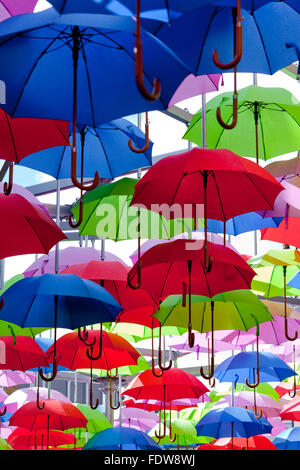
x,y
257,415
163,368
238,43
147,140
2,413
139,278
7,187
234,114
207,260
211,370
40,407
139,72
75,181
89,352
112,406
80,218
152,361
292,393
290,338
53,375
84,337
93,406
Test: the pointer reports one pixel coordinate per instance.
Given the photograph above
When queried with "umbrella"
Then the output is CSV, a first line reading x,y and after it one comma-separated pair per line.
x,y
55,415
4,445
170,267
121,438
173,384
157,405
185,431
228,310
22,136
139,419
10,8
195,86
24,192
202,176
288,234
264,114
67,257
269,406
241,443
113,352
21,354
289,439
232,422
27,228
22,439
243,223
59,301
83,41
24,395
286,204
291,411
284,388
97,421
11,378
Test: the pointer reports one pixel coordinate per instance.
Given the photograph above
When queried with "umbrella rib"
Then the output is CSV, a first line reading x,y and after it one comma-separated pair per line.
x,y
262,41
219,194
258,189
214,14
88,80
61,162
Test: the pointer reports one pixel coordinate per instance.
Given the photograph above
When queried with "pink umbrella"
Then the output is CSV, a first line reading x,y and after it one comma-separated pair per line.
x,y
195,86
6,430
268,406
215,238
287,203
17,189
278,426
138,419
10,8
18,398
67,257
157,405
287,351
3,395
10,378
201,341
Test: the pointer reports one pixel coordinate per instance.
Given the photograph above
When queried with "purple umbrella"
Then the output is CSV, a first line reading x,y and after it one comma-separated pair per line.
x,y
278,426
24,395
201,342
195,86
67,257
10,8
136,418
287,351
270,407
10,378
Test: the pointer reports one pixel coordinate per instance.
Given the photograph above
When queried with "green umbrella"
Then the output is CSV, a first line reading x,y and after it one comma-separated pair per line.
x,y
97,422
4,445
184,431
264,388
141,332
141,365
268,123
234,310
107,214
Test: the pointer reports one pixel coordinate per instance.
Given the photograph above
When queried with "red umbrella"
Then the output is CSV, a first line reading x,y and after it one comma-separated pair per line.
x,y
172,385
155,405
22,439
21,353
113,352
169,268
284,387
291,411
240,443
27,228
288,234
55,414
20,137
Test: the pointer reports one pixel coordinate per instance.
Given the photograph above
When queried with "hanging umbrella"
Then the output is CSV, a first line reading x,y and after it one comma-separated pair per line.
x,y
21,354
11,378
285,170
264,115
286,204
157,405
228,310
112,351
173,267
59,301
291,411
24,395
232,422
97,421
268,406
173,384
186,433
139,419
55,415
67,257
288,439
22,136
201,342
22,439
288,234
195,86
284,388
121,438
241,443
24,192
202,176
27,228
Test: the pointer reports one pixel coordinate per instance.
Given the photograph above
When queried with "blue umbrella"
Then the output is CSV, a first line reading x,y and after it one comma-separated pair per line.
x,y
59,301
266,32
295,281
232,422
121,438
289,439
242,223
80,67
103,146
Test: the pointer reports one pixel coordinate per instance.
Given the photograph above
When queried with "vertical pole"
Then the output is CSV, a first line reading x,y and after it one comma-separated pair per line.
x,y
204,145
120,409
86,239
58,224
255,232
2,269
103,249
75,387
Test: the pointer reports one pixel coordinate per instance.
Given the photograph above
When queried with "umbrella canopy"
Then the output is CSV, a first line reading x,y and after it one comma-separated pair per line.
x,y
121,438
243,223
4,445
101,147
24,395
240,443
291,411
272,110
21,354
57,415
11,378
269,406
269,281
195,86
27,228
232,422
67,257
289,439
10,8
22,438
157,405
97,421
139,419
287,234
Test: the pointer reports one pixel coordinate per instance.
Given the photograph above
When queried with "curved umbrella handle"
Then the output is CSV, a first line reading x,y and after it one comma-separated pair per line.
x,y
40,407
2,413
191,337
211,366
92,406
290,338
89,353
172,439
74,179
111,404
139,279
84,337
257,415
234,114
147,140
152,359
162,368
238,43
292,393
7,187
80,218
211,371
139,72
257,379
53,375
